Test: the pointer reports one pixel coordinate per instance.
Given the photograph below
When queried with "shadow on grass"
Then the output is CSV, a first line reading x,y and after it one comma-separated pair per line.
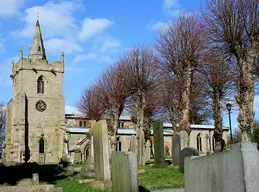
x,y
47,173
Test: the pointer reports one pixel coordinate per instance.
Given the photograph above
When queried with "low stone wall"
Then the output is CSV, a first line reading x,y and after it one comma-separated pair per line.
x,y
236,170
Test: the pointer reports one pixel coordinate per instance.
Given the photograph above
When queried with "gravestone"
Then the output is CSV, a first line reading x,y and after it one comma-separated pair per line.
x,y
140,147
185,153
183,139
101,151
159,144
101,157
133,144
176,148
147,151
124,172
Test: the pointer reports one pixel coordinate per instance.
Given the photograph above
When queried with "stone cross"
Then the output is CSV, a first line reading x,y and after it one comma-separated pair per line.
x,y
124,172
159,144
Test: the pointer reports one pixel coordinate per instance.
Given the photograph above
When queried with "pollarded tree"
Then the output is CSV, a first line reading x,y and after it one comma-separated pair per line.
x,y
112,96
200,111
169,90
140,79
181,45
90,103
234,26
218,77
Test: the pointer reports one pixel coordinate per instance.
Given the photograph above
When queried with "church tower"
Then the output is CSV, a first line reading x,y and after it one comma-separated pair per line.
x,y
36,111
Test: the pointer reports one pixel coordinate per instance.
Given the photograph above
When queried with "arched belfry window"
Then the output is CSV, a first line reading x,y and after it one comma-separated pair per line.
x,y
40,85
39,48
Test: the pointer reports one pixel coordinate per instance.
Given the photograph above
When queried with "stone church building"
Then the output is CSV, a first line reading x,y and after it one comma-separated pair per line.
x,y
36,111
37,130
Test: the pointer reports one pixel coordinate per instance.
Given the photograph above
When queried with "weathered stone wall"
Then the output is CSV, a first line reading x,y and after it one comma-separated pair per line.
x,y
23,117
235,170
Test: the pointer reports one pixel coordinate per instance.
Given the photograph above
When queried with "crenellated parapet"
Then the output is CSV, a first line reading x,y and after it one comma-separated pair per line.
x,y
38,65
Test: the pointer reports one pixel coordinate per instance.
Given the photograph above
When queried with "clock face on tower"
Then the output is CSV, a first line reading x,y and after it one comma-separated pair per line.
x,y
41,106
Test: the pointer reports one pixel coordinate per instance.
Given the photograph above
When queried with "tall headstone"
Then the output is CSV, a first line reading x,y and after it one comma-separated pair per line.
x,y
140,147
183,139
147,153
133,144
124,172
101,151
159,144
185,153
176,148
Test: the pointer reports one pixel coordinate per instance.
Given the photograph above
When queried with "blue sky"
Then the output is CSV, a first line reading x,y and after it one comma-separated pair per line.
x,y
92,33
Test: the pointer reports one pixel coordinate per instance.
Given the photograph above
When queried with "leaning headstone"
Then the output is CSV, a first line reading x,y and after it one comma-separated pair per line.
x,y
159,144
147,151
101,157
124,172
176,148
185,153
133,144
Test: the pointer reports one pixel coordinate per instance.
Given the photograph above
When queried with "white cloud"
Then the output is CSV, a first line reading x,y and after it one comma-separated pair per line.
x,y
56,19
92,57
172,7
10,7
56,46
157,26
168,4
110,45
92,27
106,44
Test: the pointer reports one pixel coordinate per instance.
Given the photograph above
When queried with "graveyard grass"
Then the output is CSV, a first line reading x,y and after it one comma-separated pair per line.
x,y
152,178
157,178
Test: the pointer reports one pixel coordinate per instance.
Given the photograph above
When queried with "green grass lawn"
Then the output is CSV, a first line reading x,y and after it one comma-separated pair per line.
x,y
157,178
152,178
72,185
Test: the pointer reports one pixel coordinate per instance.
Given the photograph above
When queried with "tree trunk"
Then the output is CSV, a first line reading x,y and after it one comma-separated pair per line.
x,y
245,99
217,120
140,103
184,124
172,119
114,115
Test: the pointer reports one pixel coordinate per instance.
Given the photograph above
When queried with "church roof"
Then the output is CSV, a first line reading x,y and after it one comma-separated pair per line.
x,y
37,50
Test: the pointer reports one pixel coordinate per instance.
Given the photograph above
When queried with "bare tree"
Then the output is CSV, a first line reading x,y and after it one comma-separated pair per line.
x,y
169,90
180,46
200,111
218,77
89,103
140,79
113,95
2,125
234,26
